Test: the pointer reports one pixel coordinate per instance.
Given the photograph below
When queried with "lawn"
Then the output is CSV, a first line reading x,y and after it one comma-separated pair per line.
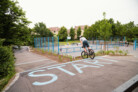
x,y
69,42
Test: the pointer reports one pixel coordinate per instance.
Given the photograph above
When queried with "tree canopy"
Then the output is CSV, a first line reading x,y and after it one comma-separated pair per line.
x,y
62,34
78,32
72,33
41,30
13,23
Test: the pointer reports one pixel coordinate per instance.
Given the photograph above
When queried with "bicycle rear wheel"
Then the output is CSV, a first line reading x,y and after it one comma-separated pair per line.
x,y
84,54
91,54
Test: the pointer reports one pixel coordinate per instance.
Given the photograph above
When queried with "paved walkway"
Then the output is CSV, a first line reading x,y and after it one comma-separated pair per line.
x,y
26,60
103,74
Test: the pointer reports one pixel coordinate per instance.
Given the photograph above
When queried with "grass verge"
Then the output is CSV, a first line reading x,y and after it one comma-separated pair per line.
x,y
4,81
69,42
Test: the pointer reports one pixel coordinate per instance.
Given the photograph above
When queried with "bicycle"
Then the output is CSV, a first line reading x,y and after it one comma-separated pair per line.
x,y
89,53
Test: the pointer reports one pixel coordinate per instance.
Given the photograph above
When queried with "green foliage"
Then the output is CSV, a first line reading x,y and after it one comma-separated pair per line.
x,y
72,33
6,62
111,51
43,51
13,24
62,34
117,50
60,59
4,81
91,32
125,52
104,29
1,41
42,31
78,32
70,57
107,52
121,52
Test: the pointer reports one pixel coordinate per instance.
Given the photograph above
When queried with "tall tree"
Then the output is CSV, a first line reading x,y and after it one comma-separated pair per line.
x,y
78,32
72,33
41,30
104,30
13,23
62,34
114,31
129,30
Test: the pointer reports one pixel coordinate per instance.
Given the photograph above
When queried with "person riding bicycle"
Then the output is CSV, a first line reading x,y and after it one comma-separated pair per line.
x,y
84,43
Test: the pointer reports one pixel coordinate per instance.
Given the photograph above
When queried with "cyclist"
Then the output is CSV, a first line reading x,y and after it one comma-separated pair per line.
x,y
84,43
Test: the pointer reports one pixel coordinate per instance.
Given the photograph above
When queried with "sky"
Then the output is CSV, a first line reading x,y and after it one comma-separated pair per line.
x,y
70,13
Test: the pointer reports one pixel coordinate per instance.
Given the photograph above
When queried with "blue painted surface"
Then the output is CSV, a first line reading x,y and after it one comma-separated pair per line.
x,y
54,77
44,41
41,42
62,69
53,44
135,44
48,43
78,67
58,45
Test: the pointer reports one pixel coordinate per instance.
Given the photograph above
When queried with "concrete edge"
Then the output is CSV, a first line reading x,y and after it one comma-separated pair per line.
x,y
17,75
127,84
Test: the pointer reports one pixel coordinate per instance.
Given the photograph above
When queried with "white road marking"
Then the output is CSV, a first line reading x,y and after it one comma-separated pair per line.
x,y
82,60
126,85
31,62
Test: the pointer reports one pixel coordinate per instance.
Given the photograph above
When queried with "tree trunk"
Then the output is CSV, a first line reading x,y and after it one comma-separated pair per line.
x,y
104,45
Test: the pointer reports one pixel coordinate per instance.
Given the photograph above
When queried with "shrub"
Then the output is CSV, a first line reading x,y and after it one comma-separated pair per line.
x,y
60,59
107,52
43,51
111,51
121,52
6,62
117,50
70,57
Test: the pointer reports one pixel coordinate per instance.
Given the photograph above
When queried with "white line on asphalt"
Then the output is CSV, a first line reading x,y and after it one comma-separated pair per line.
x,y
57,65
126,85
41,66
32,62
51,66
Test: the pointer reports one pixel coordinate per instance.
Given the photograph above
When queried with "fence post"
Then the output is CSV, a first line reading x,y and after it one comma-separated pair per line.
x,y
135,44
53,44
48,44
58,44
45,42
41,42
111,43
124,41
96,43
66,50
34,43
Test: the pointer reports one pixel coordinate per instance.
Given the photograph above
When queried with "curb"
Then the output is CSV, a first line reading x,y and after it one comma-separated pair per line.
x,y
127,85
17,75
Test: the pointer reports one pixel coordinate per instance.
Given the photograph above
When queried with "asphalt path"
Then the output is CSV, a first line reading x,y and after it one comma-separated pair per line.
x,y
103,74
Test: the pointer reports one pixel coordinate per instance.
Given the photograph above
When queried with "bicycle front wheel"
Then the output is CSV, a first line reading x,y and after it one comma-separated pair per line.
x,y
91,54
84,54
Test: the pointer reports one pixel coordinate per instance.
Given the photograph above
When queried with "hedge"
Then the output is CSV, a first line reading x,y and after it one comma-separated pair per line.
x,y
6,62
